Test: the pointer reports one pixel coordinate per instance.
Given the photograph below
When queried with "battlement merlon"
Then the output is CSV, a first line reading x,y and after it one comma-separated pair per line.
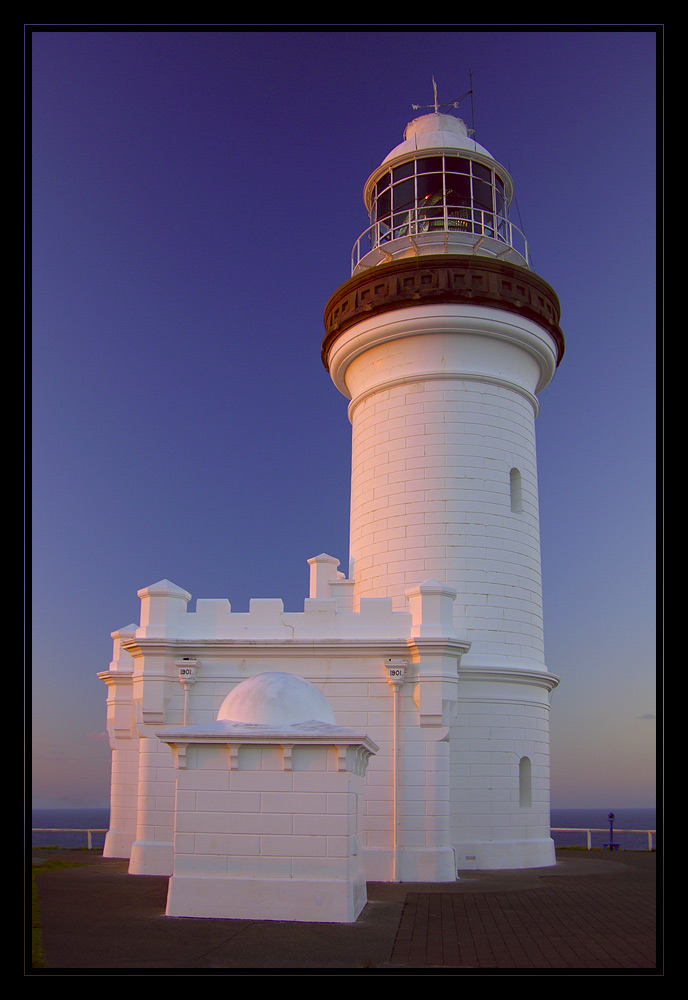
x,y
327,613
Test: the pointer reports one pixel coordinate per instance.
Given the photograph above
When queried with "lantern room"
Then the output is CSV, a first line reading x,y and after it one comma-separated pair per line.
x,y
438,191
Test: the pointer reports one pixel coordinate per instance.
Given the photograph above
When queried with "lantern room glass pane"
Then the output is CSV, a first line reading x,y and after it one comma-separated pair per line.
x,y
403,195
383,205
457,165
383,183
458,190
405,170
484,173
482,194
430,189
429,164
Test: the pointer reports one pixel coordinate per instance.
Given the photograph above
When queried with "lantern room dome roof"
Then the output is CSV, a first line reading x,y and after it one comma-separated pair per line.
x,y
436,131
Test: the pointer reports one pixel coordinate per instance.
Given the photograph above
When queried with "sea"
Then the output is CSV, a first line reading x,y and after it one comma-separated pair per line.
x,y
624,819
68,819
598,819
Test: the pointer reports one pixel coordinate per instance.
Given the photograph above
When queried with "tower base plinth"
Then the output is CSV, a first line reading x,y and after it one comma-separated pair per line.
x,y
500,855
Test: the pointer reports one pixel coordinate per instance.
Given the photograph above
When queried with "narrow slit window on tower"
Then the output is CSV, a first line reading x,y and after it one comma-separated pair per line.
x,y
515,491
524,782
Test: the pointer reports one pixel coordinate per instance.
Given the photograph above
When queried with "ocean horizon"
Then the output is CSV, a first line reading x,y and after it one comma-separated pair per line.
x,y
597,818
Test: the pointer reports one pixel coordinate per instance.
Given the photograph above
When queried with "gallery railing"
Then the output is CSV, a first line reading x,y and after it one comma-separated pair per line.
x,y
473,224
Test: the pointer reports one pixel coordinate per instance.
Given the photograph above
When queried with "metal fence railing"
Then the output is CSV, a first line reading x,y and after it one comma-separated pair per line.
x,y
588,831
89,833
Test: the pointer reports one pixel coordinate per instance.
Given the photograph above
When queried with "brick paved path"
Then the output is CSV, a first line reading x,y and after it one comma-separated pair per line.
x,y
589,912
567,923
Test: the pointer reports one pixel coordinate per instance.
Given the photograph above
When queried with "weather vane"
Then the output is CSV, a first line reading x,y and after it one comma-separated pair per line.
x,y
436,106
452,104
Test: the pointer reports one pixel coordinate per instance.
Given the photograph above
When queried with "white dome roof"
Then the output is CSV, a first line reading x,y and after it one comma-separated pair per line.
x,y
436,131
276,699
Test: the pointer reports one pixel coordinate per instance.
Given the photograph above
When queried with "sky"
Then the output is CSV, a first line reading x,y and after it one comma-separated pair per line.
x,y
195,195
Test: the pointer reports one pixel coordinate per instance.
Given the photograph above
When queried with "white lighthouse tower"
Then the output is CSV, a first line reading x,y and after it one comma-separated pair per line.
x,y
418,742
442,339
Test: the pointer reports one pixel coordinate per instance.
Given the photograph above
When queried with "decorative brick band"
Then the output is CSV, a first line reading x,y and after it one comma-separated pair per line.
x,y
441,279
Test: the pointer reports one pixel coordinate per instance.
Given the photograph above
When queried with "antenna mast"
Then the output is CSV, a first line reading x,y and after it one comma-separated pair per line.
x,y
470,80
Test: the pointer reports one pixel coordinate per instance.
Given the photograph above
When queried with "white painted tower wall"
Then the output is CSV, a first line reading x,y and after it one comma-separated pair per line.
x,y
444,486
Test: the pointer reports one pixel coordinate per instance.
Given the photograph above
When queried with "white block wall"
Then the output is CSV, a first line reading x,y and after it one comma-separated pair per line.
x,y
267,820
259,840
491,825
152,849
443,411
123,799
365,705
431,498
457,764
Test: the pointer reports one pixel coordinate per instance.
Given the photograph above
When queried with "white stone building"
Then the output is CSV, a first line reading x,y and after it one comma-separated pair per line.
x,y
420,744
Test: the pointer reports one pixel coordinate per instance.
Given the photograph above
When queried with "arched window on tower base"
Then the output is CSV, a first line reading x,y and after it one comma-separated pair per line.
x,y
524,782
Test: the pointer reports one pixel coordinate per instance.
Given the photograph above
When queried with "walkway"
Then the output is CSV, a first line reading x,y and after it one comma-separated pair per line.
x,y
592,911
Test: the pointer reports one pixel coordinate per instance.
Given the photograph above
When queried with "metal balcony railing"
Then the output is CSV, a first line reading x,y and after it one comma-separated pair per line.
x,y
472,226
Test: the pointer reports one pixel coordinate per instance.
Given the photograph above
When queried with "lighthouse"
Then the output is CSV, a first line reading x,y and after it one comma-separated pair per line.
x,y
271,762
441,340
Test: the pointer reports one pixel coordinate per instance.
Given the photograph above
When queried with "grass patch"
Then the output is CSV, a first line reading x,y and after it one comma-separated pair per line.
x,y
38,960
58,847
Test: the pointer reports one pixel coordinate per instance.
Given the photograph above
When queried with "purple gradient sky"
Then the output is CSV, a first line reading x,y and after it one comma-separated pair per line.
x,y
196,194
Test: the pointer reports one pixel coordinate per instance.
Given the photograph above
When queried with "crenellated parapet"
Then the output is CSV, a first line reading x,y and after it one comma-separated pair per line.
x,y
165,614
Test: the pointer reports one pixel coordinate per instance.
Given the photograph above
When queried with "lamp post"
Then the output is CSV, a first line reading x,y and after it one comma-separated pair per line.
x,y
611,845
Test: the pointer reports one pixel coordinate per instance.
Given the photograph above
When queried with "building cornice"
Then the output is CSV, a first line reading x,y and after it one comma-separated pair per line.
x,y
441,279
510,675
245,647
